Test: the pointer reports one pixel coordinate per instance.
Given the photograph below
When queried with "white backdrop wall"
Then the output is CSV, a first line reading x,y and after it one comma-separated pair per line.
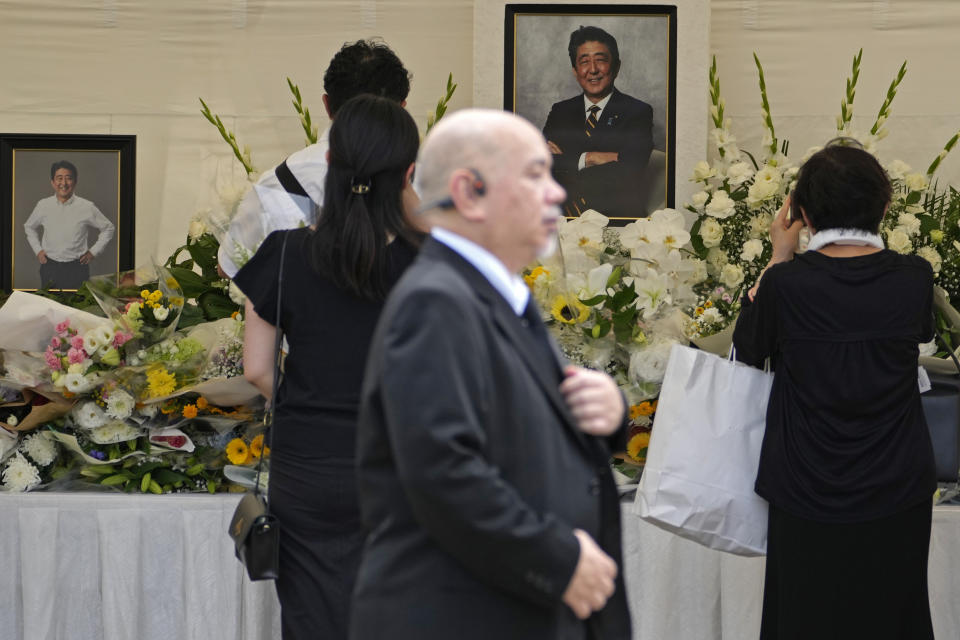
x,y
137,66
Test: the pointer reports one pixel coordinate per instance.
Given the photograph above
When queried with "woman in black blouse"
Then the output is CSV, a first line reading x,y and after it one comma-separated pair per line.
x,y
335,279
846,463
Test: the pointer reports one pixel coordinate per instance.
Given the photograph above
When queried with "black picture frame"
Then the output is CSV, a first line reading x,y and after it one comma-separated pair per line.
x,y
537,77
106,167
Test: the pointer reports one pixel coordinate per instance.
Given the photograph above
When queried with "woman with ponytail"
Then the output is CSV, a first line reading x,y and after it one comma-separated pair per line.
x,y
335,279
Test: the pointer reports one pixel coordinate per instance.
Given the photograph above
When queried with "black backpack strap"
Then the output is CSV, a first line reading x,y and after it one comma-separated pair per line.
x,y
289,181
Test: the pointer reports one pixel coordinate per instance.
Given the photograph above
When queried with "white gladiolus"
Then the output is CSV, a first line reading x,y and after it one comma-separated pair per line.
x,y
739,172
702,171
916,182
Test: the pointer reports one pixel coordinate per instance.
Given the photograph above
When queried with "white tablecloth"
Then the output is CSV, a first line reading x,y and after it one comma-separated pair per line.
x,y
81,566
679,590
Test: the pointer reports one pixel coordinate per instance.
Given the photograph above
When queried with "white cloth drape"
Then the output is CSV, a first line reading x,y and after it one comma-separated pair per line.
x,y
78,566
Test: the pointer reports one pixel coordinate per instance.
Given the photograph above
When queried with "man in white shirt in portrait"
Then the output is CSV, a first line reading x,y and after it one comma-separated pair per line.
x,y
58,231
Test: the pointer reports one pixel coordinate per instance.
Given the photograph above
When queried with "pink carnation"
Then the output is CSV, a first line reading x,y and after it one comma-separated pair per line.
x,y
63,326
77,342
121,338
52,360
55,342
75,355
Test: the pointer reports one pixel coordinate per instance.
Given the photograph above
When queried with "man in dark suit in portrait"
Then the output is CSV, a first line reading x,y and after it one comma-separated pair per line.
x,y
602,138
483,475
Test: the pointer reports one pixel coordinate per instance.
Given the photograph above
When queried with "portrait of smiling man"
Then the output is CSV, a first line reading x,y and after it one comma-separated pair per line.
x,y
601,139
59,227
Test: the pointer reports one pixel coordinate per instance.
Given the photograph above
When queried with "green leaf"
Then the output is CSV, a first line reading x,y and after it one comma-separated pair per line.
x,y
202,255
191,316
191,282
913,197
595,300
928,223
216,305
696,241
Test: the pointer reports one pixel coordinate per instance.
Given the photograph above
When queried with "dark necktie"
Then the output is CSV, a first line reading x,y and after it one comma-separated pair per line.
x,y
532,321
592,120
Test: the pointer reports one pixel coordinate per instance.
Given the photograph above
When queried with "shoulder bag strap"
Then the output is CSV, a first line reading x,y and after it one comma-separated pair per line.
x,y
278,356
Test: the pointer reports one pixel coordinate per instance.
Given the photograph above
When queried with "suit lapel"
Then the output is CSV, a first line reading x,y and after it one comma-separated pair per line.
x,y
510,326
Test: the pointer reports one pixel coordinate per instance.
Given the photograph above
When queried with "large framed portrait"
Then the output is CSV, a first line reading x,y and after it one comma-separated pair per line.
x,y
66,208
600,81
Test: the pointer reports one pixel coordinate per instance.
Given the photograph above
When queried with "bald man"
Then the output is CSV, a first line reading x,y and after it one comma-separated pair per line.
x,y
483,458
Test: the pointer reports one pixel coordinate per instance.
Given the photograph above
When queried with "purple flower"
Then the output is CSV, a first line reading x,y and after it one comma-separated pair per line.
x,y
99,455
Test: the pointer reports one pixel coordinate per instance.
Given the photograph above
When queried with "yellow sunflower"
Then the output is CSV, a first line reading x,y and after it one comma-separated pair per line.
x,y
637,446
569,310
257,448
237,452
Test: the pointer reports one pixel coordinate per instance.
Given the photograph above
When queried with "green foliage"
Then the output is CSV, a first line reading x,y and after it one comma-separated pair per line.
x,y
206,290
441,109
229,137
308,127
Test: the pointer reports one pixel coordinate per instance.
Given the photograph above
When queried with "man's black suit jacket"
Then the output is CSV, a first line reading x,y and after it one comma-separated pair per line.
x,y
472,475
625,126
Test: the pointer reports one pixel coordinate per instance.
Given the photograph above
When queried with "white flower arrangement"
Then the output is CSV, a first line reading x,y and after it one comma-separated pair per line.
x,y
19,474
40,448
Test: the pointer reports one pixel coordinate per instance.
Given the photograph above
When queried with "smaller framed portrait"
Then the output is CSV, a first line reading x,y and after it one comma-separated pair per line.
x,y
66,208
600,82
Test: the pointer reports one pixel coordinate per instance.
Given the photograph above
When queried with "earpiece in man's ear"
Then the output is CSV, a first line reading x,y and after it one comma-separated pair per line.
x,y
479,186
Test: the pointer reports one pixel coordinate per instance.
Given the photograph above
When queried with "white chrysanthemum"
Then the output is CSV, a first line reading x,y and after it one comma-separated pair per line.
x,y
711,232
702,171
649,363
119,404
909,223
161,313
113,432
751,250
721,205
41,448
766,184
88,415
930,255
699,199
916,181
20,475
79,383
739,172
899,241
731,275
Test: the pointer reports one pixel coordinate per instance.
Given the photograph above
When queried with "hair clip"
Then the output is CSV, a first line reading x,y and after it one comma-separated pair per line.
x,y
360,186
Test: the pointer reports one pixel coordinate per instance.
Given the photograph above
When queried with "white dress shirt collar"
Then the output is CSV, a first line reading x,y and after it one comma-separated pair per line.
x,y
602,104
509,285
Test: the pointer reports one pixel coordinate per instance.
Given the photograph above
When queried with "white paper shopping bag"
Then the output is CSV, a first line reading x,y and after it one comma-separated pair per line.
x,y
704,451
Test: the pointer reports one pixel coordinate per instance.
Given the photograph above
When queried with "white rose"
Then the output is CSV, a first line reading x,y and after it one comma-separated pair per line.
x,y
930,255
161,313
739,172
197,229
910,223
717,258
702,171
751,250
899,241
711,232
720,205
916,182
731,275
766,184
699,199
699,271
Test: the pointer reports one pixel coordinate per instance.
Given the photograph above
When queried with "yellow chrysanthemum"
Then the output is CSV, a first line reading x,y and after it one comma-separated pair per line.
x,y
531,278
638,445
257,448
190,411
645,408
202,403
708,304
698,311
237,452
569,310
172,282
160,382
145,293
176,301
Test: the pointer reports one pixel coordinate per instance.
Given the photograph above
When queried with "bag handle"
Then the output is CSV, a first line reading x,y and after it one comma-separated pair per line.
x,y
732,357
268,416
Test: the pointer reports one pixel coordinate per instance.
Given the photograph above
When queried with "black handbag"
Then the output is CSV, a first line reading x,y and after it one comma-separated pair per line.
x,y
941,407
254,530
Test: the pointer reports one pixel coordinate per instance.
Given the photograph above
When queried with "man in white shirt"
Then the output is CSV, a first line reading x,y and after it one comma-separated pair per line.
x,y
291,194
58,231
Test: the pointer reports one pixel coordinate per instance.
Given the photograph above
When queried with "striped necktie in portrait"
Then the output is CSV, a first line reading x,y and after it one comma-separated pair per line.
x,y
592,120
